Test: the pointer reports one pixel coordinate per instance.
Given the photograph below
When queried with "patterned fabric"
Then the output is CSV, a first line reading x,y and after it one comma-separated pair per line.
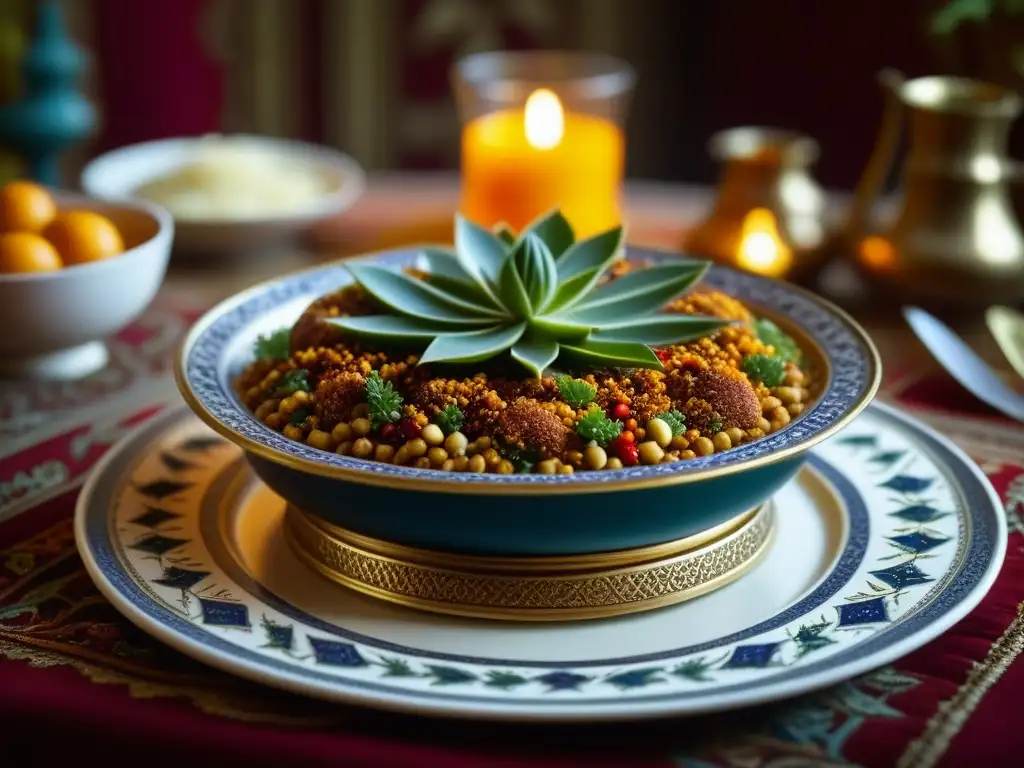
x,y
71,665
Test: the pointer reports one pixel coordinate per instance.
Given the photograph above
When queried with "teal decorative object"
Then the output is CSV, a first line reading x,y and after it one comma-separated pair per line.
x,y
53,115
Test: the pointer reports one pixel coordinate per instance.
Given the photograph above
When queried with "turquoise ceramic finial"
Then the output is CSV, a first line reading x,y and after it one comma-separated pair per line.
x,y
53,115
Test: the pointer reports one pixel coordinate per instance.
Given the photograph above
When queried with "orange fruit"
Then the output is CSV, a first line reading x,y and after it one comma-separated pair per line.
x,y
84,236
27,252
25,207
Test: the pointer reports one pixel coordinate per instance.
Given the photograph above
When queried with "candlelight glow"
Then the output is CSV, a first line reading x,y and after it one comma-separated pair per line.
x,y
761,249
544,119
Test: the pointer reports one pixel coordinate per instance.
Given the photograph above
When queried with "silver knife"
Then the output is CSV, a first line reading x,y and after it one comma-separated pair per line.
x,y
964,364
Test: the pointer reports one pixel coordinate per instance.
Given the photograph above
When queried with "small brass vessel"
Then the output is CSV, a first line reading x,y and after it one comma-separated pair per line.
x,y
955,239
768,214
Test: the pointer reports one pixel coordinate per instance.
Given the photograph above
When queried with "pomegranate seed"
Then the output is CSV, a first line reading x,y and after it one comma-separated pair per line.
x,y
389,433
663,354
410,429
628,453
620,411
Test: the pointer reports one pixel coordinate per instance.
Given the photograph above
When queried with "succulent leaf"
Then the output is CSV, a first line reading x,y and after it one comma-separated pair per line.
x,y
616,354
555,230
474,346
392,328
512,291
532,296
536,268
504,233
659,330
638,293
410,296
597,252
535,354
479,252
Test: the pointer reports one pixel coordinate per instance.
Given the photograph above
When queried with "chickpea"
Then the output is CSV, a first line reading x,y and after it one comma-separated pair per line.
x,y
459,463
703,446
483,443
361,426
722,441
769,403
477,463
437,455
573,457
448,465
547,467
795,409
456,444
317,438
422,463
341,432
566,469
344,449
288,406
362,448
780,415
292,431
432,434
384,453
680,443
794,376
763,424
687,455
302,397
660,432
650,452
735,434
416,447
614,463
274,420
492,457
691,435
757,433
266,408
788,395
595,457
505,467
360,411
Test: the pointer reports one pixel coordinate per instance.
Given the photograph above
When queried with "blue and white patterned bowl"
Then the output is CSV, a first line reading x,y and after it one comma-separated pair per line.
x,y
524,514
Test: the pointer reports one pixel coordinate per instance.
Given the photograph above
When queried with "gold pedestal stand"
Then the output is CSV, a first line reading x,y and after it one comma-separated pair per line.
x,y
534,588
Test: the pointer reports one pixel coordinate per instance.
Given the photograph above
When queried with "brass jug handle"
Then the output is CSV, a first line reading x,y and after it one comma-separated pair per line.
x,y
870,184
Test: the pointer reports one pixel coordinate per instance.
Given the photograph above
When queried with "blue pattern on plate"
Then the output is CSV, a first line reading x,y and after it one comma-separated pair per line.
x,y
984,541
216,358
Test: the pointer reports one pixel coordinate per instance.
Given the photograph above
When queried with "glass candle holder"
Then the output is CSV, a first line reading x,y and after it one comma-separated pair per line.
x,y
543,130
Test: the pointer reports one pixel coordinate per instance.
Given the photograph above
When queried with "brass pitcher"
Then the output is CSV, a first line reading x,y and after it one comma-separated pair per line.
x,y
955,239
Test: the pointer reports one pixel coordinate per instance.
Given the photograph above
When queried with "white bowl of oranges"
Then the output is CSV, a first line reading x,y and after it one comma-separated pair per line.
x,y
73,271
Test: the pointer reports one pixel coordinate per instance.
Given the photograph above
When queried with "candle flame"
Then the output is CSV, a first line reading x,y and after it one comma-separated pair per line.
x,y
545,119
761,248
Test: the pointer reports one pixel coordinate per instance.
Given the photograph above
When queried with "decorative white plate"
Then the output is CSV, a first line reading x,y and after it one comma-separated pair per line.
x,y
886,539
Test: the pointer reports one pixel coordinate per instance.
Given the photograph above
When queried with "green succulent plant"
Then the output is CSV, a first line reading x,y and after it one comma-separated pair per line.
x,y
536,296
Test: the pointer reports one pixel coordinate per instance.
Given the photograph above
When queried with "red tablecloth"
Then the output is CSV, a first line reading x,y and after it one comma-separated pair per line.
x,y
76,677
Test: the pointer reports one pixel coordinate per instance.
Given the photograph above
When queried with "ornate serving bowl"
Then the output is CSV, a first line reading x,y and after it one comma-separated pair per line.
x,y
525,515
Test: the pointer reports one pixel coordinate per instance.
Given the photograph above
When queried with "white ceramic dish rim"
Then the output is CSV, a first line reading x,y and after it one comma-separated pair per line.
x,y
933,625
351,187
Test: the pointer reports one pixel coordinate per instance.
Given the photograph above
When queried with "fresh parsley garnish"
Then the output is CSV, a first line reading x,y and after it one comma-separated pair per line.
x,y
769,370
576,392
771,335
676,421
596,426
716,423
273,347
385,403
298,416
450,419
294,381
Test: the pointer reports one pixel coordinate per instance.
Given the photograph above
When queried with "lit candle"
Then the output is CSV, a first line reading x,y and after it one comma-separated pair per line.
x,y
520,163
761,249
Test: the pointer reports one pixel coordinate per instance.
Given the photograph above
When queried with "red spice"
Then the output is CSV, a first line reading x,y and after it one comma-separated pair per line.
x,y
410,429
620,411
664,354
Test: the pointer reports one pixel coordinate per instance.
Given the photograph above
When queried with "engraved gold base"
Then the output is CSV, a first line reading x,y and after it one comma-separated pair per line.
x,y
534,588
